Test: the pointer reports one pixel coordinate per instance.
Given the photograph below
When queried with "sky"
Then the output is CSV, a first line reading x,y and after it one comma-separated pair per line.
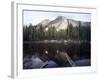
x,y
35,17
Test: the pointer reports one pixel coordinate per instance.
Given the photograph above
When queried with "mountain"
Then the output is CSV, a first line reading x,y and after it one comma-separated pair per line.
x,y
61,22
43,23
73,22
87,24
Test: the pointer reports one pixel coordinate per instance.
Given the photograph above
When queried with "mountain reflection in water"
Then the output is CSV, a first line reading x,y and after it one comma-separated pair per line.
x,y
44,54
36,63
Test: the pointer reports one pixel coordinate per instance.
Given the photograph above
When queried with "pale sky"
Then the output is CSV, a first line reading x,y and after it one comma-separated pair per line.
x,y
34,17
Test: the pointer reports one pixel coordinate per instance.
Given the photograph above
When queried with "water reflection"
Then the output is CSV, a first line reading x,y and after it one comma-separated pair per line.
x,y
52,54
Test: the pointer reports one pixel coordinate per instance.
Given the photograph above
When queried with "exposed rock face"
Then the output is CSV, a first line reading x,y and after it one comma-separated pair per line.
x,y
61,23
43,23
73,22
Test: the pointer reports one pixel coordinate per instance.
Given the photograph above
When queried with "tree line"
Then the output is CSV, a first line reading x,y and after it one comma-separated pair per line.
x,y
32,33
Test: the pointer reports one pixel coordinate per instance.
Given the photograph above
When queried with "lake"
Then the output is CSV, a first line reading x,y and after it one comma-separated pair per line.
x,y
37,54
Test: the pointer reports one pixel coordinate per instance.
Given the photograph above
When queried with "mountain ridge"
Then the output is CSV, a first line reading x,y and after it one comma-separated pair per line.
x,y
60,22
